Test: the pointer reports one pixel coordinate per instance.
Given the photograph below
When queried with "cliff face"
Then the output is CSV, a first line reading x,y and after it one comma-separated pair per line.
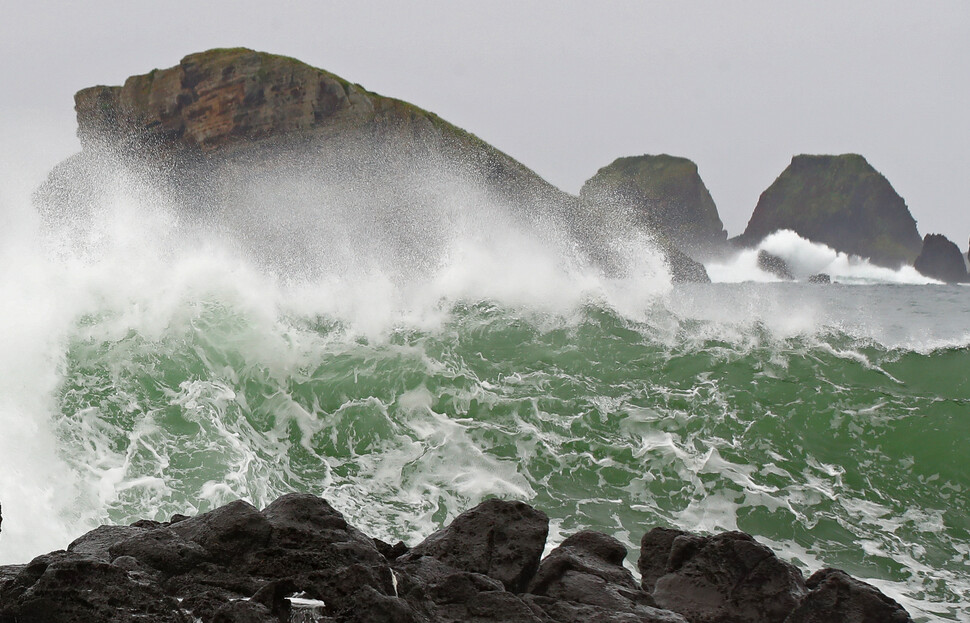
x,y
840,201
218,104
287,160
664,193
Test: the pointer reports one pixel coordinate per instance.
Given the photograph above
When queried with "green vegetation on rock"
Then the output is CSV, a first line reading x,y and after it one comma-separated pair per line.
x,y
841,201
664,193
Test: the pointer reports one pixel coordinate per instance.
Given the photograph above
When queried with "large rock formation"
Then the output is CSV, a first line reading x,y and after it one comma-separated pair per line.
x,y
941,259
290,159
299,560
840,201
287,158
664,193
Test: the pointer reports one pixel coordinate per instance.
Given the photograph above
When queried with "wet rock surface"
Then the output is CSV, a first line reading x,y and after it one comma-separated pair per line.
x,y
774,265
299,560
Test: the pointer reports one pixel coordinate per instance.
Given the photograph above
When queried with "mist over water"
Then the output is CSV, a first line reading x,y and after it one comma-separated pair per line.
x,y
408,348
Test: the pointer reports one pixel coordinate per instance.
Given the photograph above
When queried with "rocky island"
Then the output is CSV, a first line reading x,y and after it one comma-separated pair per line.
x,y
942,260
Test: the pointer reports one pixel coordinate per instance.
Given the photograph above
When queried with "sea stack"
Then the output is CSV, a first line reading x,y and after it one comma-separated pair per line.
x,y
841,201
941,259
667,195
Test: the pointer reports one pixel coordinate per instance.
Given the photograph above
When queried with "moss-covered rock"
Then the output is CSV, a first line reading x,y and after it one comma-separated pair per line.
x,y
664,193
841,201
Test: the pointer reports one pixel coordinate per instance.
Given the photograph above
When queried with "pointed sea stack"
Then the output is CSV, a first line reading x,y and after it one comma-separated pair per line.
x,y
840,201
941,259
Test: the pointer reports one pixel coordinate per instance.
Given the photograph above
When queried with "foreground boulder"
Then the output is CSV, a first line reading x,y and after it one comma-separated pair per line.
x,y
503,540
299,560
836,596
941,259
840,201
727,577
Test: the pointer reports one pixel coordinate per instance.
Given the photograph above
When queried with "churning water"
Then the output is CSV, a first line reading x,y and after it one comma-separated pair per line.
x,y
415,363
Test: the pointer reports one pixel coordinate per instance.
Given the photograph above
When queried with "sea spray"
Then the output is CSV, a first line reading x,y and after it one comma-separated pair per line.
x,y
806,258
158,360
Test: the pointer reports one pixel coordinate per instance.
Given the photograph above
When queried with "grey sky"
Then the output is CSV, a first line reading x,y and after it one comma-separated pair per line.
x,y
739,87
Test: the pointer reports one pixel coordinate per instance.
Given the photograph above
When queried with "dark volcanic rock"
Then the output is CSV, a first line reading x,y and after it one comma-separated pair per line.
x,y
724,578
244,612
161,549
304,521
71,588
500,539
97,542
836,597
299,560
227,532
774,265
574,612
655,550
840,201
588,568
820,278
941,259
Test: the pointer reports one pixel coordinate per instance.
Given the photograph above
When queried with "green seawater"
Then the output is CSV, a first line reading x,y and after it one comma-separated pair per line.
x,y
830,422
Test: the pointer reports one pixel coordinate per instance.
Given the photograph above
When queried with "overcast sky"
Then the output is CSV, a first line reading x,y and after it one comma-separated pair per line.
x,y
564,87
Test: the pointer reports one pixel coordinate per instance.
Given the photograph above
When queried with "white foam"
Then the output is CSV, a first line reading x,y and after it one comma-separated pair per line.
x,y
806,258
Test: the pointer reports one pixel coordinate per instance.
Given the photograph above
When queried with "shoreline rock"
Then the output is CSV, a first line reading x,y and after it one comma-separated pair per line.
x,y
299,560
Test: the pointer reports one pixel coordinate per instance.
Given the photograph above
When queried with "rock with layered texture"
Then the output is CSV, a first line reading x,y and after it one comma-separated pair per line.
x,y
285,156
840,201
941,259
